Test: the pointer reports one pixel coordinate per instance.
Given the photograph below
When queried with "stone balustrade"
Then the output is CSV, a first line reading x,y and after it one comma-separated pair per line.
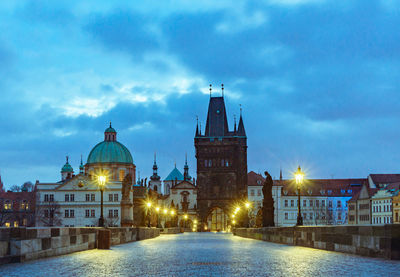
x,y
22,244
372,241
171,230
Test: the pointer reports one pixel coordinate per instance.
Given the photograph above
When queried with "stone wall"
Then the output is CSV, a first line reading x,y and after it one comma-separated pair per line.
x,y
372,241
172,230
22,244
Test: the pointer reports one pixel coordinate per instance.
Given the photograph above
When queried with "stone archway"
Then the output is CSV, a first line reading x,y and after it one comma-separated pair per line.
x,y
217,220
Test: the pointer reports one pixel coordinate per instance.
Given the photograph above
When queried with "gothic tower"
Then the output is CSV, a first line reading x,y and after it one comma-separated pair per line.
x,y
221,167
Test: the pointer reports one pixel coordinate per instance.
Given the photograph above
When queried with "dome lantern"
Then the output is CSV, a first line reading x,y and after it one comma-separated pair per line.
x,y
110,134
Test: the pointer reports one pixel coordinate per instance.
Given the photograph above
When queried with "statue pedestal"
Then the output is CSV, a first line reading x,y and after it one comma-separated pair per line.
x,y
126,213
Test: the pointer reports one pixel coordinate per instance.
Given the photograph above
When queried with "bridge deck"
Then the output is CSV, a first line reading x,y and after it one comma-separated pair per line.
x,y
204,254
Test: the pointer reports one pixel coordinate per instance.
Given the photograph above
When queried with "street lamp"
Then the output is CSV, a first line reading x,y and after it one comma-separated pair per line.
x,y
299,176
148,204
158,216
102,183
185,217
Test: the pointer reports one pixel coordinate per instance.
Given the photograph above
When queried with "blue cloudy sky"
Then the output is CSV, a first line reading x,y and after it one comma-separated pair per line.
x,y
319,82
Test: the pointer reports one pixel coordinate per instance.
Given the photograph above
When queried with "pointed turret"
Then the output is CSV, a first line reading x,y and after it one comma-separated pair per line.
x,y
280,175
197,127
217,124
66,171
241,132
81,167
186,175
155,176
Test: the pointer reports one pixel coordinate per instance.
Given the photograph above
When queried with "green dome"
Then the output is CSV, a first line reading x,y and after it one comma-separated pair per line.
x,y
67,168
109,152
110,130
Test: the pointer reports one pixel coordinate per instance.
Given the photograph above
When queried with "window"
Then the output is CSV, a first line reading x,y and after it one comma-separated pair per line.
x,y
7,224
311,216
291,203
209,163
330,204
24,205
115,213
121,175
71,213
351,218
87,213
304,203
339,204
93,213
110,197
46,213
51,196
110,213
24,222
15,223
339,216
259,192
286,216
7,205
66,213
286,203
46,198
252,192
67,198
116,197
311,203
72,197
323,203
87,196
316,203
205,163
92,197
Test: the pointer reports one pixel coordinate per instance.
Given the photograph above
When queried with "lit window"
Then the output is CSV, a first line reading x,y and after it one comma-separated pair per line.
x,y
121,175
7,224
15,223
7,205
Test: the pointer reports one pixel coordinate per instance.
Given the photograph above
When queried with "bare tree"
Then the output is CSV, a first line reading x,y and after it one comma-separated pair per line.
x,y
15,188
48,213
27,186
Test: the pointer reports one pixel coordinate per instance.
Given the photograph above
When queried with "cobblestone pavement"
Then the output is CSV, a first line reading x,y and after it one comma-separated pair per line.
x,y
204,254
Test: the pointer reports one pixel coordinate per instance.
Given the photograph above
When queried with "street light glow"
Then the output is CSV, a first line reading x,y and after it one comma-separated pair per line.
x,y
157,209
185,216
237,209
247,205
233,216
299,176
172,212
148,204
102,180
165,211
195,221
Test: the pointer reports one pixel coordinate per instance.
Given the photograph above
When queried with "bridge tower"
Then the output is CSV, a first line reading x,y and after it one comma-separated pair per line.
x,y
221,167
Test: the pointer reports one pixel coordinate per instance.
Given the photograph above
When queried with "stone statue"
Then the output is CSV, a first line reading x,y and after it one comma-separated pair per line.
x,y
268,202
126,203
126,187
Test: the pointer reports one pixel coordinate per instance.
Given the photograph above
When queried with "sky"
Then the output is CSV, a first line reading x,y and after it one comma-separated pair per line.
x,y
319,82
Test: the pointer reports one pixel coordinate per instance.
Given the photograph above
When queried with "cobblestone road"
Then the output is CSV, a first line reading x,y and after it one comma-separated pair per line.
x,y
204,254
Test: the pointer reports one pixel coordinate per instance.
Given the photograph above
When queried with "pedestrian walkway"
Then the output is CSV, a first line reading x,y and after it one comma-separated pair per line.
x,y
204,254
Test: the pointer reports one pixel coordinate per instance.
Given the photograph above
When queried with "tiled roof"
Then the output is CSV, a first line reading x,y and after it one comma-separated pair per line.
x,y
217,124
254,179
385,178
174,175
323,187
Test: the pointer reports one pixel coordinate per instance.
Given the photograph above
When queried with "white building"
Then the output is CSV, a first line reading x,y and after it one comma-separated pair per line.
x,y
75,200
381,205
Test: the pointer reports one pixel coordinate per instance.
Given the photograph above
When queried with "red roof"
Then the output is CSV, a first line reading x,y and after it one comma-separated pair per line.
x,y
385,178
255,179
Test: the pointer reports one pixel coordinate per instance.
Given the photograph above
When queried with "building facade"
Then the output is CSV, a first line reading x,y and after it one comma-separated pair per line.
x,y
75,200
221,167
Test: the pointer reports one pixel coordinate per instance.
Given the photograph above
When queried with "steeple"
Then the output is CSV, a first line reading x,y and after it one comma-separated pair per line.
x,y
81,167
186,175
197,126
234,127
280,175
155,176
66,171
241,131
217,124
1,185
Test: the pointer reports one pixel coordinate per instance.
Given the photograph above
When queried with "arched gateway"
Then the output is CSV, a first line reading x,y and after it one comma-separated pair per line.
x,y
217,220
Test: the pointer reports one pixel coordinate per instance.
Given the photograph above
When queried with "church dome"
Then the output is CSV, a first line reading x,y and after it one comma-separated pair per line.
x,y
110,150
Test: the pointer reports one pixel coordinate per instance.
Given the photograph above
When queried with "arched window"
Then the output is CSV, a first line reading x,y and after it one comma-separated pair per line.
x,y
155,188
209,163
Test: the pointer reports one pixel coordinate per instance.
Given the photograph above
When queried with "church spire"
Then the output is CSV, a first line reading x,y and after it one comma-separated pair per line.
x,y
197,126
241,131
186,175
155,176
280,175
81,167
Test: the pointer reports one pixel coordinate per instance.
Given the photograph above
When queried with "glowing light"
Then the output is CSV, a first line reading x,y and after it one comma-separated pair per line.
x,y
233,216
172,212
205,227
234,221
195,221
185,216
148,204
237,209
299,176
165,211
102,180
247,205
157,209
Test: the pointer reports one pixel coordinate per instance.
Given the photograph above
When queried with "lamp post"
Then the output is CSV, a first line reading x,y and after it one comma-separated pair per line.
x,y
102,183
148,204
158,216
299,176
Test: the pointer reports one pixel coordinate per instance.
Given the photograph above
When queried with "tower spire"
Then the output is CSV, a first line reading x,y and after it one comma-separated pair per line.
x,y
280,175
234,126
155,176
241,131
186,176
210,90
81,167
222,88
197,126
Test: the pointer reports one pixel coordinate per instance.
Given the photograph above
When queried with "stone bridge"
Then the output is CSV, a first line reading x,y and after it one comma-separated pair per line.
x,y
204,254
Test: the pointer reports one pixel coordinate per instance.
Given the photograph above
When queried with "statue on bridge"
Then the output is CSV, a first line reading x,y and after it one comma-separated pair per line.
x,y
268,202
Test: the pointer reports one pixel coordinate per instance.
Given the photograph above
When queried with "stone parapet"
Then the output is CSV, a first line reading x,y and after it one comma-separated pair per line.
x,y
172,230
373,241
22,244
